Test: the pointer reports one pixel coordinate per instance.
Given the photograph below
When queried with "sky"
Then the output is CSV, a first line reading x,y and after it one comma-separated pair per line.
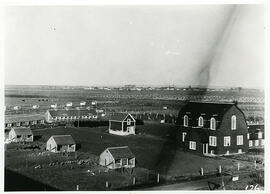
x,y
180,45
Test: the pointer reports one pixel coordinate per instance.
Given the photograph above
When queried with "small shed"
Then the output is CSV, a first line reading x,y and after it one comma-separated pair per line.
x,y
61,143
117,157
20,134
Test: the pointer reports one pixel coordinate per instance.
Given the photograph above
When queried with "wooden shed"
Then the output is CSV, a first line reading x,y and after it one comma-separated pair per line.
x,y
20,134
61,143
122,124
117,157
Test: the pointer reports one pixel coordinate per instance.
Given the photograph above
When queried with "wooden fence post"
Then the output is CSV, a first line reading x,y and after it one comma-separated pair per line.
x,y
107,184
77,188
238,166
219,169
255,164
134,180
202,171
158,178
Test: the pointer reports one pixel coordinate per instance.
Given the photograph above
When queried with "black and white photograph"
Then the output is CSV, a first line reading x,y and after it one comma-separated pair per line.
x,y
134,97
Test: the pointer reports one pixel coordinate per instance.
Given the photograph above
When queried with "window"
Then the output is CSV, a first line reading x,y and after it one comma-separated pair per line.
x,y
262,142
213,124
227,141
212,141
9,124
19,136
256,142
18,124
260,135
184,136
248,135
128,121
192,145
185,121
250,143
239,140
233,122
200,121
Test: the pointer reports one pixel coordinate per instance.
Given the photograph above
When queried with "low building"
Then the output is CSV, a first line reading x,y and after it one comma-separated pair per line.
x,y
117,157
256,135
20,134
209,128
60,115
23,120
122,124
61,143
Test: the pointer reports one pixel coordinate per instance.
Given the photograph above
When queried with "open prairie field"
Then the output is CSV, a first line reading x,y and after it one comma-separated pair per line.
x,y
250,101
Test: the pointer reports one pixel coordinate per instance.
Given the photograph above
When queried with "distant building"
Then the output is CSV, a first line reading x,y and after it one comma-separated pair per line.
x,y
23,120
213,128
69,104
61,143
20,134
122,124
256,135
61,115
117,157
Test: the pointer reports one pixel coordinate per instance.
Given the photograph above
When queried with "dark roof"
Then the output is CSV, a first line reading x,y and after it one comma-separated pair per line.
x,y
23,118
121,152
71,112
255,128
63,139
22,130
198,134
119,116
205,109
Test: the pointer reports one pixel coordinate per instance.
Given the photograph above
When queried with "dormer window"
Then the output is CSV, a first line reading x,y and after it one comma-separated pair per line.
x,y
185,121
200,121
233,122
213,124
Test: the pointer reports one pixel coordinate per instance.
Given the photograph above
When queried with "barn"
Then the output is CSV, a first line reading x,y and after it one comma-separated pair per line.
x,y
117,157
23,120
210,128
256,136
20,134
61,143
122,124
60,115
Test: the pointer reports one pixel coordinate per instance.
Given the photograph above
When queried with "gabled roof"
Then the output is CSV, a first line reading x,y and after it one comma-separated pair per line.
x,y
71,112
23,118
121,152
22,130
119,116
63,139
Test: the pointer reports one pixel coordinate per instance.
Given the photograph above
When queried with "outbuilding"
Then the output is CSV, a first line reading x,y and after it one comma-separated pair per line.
x,y
61,143
122,124
117,157
20,134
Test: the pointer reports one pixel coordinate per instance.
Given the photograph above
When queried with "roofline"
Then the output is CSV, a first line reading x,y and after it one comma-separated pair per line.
x,y
60,135
211,102
117,147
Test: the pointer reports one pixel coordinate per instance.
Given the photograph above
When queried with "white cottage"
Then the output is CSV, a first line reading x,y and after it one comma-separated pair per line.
x,y
61,143
117,157
20,134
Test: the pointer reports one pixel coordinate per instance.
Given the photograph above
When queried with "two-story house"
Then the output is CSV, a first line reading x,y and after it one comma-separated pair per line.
x,y
213,128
